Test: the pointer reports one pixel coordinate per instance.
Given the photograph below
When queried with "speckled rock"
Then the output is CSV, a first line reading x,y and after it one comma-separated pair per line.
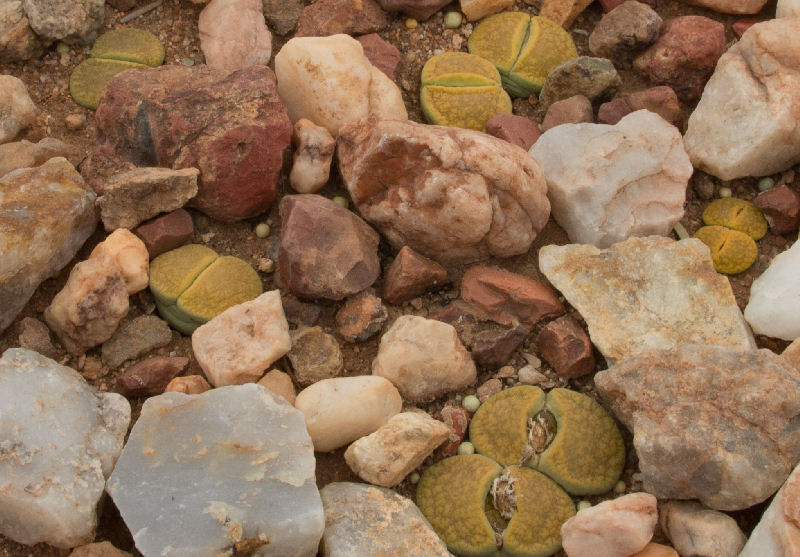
x,y
19,112
282,15
777,533
361,317
594,78
315,355
17,39
34,335
332,17
629,27
233,34
698,430
135,338
775,298
647,293
24,154
497,210
697,530
75,22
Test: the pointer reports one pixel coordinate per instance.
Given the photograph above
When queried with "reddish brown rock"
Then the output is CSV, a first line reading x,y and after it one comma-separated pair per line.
x,y
493,347
613,111
743,25
325,251
418,9
380,54
522,132
573,110
456,313
361,317
629,27
151,376
151,118
188,385
566,347
166,232
507,298
300,313
661,99
781,207
411,275
332,17
457,418
685,54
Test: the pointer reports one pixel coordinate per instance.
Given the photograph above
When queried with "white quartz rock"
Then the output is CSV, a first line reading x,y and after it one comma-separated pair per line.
x,y
788,8
201,473
59,439
778,532
774,306
607,183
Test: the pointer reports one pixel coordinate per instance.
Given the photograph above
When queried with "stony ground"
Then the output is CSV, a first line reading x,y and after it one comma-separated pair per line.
x,y
175,23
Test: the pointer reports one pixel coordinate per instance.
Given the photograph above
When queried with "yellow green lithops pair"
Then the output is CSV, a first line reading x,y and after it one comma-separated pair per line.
x,y
192,284
534,448
732,228
523,48
113,52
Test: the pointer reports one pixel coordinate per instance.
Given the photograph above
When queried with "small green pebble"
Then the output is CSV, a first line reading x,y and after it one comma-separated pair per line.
x,y
452,20
262,230
341,201
725,192
620,487
766,183
583,505
680,231
414,477
471,403
411,23
62,48
466,448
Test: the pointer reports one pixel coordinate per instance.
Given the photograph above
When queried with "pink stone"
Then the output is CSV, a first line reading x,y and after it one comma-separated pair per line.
x,y
574,110
613,111
380,54
518,130
332,17
233,34
661,99
781,207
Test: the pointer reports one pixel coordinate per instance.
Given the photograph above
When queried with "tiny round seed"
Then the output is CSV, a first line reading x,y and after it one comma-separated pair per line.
x,y
262,230
471,403
466,448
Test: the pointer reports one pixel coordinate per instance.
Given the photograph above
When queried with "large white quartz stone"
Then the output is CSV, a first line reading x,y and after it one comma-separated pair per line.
x,y
788,8
774,306
607,183
203,473
59,439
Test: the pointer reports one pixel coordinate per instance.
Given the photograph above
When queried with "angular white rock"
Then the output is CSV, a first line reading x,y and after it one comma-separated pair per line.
x,y
330,81
238,345
342,409
778,532
59,439
788,8
747,122
607,183
200,473
774,306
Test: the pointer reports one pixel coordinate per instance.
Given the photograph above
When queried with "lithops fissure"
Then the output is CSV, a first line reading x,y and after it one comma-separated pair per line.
x,y
732,228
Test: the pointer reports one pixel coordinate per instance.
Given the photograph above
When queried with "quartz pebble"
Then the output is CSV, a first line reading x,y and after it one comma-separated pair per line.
x,y
775,297
188,385
313,153
777,534
697,530
130,255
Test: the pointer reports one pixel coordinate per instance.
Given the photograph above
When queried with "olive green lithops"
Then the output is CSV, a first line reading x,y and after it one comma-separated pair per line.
x,y
461,90
192,284
525,49
736,214
113,52
732,251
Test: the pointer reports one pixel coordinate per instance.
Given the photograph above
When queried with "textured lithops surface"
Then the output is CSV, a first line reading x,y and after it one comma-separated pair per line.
x,y
732,251
737,214
461,90
523,48
113,52
192,284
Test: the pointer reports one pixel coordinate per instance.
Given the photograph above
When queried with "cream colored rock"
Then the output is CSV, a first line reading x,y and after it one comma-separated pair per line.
x,y
233,34
130,253
329,81
792,354
774,302
188,385
730,6
747,122
616,528
99,549
423,358
392,452
476,9
239,344
279,383
788,8
18,110
342,409
656,550
697,530
313,154
778,532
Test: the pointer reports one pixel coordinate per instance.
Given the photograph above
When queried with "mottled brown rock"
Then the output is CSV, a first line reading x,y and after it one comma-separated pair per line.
x,y
614,110
188,385
517,130
573,110
508,298
24,154
418,9
300,313
448,193
660,99
315,355
781,208
325,251
333,17
150,118
566,347
279,383
166,232
629,27
492,348
135,338
151,376
457,419
34,335
361,317
17,39
380,54
282,15
563,12
410,275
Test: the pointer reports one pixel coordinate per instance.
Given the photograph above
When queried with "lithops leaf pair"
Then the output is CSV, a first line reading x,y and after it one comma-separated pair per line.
x,y
113,52
524,49
462,90
192,284
732,228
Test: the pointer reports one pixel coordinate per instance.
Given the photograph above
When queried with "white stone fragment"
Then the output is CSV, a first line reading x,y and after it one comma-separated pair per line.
x,y
313,154
788,8
238,345
774,306
130,253
778,532
607,183
59,440
201,473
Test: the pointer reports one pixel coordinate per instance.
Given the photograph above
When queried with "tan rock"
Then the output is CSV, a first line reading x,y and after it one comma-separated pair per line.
x,y
792,354
17,39
563,12
24,154
240,343
470,197
730,6
188,385
99,549
329,81
130,253
697,530
279,383
343,409
19,112
313,154
788,8
778,532
477,9
392,452
233,34
656,550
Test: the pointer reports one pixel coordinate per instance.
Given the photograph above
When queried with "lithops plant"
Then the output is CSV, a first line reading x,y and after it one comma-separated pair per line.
x,y
192,284
523,48
113,52
736,214
461,90
732,228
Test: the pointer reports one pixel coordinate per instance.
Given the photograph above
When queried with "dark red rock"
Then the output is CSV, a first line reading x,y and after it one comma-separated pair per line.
x,y
743,25
456,313
613,111
685,54
457,418
151,376
300,313
380,54
166,232
781,207
411,275
522,132
507,298
492,348
566,347
661,99
331,17
233,127
418,9
574,110
325,250
361,317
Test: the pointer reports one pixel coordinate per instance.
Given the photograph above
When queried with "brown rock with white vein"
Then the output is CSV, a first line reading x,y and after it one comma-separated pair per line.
x,y
233,34
448,193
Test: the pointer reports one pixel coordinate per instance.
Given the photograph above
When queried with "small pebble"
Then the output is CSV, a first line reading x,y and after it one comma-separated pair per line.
x,y
583,505
414,477
766,183
75,122
62,48
452,20
266,265
620,487
187,61
411,23
471,403
725,191
262,230
466,448
341,200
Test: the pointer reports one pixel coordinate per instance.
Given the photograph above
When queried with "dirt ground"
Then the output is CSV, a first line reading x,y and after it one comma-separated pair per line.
x,y
175,23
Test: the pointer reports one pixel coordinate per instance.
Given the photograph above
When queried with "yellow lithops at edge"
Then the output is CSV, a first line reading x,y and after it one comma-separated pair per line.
x,y
737,214
459,69
732,251
486,40
228,281
587,453
451,495
91,76
174,271
129,44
